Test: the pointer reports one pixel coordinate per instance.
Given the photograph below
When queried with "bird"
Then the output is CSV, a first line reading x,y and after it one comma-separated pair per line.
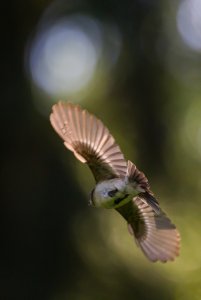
x,y
119,183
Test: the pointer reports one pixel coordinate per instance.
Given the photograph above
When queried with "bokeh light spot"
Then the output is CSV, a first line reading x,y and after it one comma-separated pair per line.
x,y
63,57
189,23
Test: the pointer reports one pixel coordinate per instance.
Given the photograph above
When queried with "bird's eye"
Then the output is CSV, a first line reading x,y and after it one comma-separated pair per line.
x,y
112,192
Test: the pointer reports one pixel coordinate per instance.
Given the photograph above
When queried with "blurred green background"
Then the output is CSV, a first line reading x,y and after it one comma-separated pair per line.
x,y
137,66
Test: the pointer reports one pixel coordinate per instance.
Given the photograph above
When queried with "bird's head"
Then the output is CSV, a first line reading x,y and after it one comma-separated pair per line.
x,y
110,194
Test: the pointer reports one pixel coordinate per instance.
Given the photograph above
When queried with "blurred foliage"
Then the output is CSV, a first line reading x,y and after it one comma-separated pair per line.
x,y
53,246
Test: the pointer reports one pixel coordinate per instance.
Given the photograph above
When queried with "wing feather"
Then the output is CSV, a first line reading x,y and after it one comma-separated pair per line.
x,y
154,233
134,175
89,140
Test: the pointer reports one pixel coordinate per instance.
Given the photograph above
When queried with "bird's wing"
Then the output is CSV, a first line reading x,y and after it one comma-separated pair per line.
x,y
154,233
89,140
138,178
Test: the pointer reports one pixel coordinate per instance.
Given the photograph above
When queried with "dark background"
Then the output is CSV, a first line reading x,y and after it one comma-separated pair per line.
x,y
53,246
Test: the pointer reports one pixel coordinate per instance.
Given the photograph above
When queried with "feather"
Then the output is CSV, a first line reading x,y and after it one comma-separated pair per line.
x,y
89,140
154,233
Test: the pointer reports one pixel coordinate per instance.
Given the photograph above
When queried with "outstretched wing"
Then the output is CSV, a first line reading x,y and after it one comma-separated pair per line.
x,y
154,233
89,140
138,177
140,181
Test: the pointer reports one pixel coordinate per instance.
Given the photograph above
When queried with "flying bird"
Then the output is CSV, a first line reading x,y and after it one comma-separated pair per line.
x,y
119,184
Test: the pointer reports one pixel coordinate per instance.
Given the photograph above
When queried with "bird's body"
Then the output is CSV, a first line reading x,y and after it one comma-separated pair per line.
x,y
119,184
112,193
